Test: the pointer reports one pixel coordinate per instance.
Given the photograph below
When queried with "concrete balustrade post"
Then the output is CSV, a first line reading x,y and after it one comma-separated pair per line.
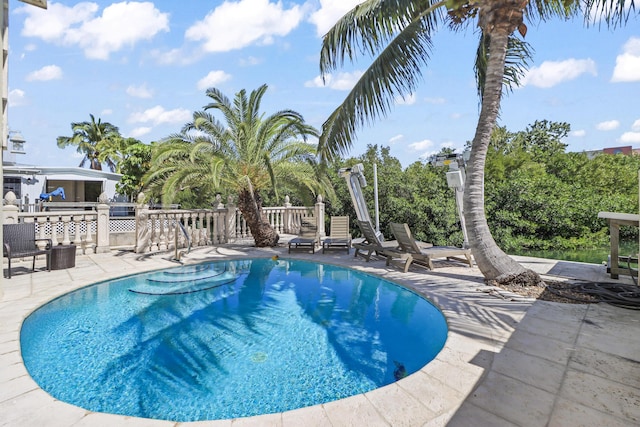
x,y
319,214
142,225
230,221
102,225
10,209
287,218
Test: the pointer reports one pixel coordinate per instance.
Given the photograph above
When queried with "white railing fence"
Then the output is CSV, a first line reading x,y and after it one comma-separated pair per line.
x,y
155,230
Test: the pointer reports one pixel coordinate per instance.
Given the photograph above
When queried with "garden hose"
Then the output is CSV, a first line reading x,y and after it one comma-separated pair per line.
x,y
620,295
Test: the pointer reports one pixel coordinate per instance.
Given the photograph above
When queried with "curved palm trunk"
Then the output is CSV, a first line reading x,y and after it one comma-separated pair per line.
x,y
251,207
492,261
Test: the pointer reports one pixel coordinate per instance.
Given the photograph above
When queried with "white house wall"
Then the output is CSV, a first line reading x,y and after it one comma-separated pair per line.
x,y
33,181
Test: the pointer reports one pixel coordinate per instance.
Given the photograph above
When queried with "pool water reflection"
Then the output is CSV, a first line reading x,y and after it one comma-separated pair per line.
x,y
229,339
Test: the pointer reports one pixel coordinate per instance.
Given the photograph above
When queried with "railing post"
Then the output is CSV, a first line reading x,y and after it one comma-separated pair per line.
x,y
42,225
102,225
142,225
286,216
230,221
10,209
66,236
162,238
319,214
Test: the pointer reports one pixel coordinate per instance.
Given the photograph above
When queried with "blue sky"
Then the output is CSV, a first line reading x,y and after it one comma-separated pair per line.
x,y
145,66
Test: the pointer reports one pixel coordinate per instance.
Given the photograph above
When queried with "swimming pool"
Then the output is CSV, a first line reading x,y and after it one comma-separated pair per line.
x,y
228,339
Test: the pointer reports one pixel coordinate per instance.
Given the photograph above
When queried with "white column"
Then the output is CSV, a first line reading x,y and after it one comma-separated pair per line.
x,y
102,229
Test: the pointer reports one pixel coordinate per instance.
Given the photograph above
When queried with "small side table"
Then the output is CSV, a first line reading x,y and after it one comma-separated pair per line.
x,y
63,256
615,220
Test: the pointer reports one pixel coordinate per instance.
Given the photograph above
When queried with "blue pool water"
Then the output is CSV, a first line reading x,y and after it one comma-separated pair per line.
x,y
228,339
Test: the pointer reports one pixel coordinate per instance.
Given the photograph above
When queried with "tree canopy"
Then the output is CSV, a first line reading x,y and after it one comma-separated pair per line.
x,y
89,138
247,153
397,35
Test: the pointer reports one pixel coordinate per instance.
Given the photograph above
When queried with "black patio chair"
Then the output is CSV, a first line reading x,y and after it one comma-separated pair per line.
x,y
20,242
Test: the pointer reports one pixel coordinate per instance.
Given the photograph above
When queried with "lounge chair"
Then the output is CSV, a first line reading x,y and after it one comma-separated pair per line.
x,y
410,251
307,238
20,242
339,235
372,243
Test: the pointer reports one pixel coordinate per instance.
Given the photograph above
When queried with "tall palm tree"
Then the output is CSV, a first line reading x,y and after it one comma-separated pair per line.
x,y
397,33
89,137
250,152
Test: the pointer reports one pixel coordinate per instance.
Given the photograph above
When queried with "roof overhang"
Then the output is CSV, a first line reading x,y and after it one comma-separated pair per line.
x,y
38,3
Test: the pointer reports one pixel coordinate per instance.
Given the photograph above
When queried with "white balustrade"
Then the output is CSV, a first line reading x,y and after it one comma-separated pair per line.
x,y
65,227
158,230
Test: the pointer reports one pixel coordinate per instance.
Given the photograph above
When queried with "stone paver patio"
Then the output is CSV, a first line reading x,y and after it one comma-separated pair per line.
x,y
507,361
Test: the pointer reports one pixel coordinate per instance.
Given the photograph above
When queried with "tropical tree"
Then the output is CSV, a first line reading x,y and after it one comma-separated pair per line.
x,y
115,150
134,162
397,33
248,153
88,137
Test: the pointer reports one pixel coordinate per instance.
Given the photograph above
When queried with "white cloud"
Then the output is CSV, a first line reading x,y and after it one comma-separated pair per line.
x,y
141,91
121,24
213,79
630,137
436,101
138,132
578,133
175,56
421,145
48,72
106,112
636,126
396,139
329,13
340,81
250,61
52,24
608,125
158,115
552,73
17,97
407,100
627,67
234,25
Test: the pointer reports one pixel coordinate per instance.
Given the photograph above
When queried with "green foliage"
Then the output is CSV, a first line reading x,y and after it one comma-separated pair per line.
x,y
539,197
536,196
135,160
417,195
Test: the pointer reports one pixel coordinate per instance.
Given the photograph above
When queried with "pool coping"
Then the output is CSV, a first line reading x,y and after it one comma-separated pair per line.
x,y
489,337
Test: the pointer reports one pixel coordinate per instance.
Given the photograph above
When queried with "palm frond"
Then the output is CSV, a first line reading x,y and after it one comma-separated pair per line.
x,y
612,13
395,72
519,53
543,10
370,26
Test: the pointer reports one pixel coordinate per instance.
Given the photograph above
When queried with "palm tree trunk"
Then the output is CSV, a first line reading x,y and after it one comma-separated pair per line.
x,y
250,204
491,260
